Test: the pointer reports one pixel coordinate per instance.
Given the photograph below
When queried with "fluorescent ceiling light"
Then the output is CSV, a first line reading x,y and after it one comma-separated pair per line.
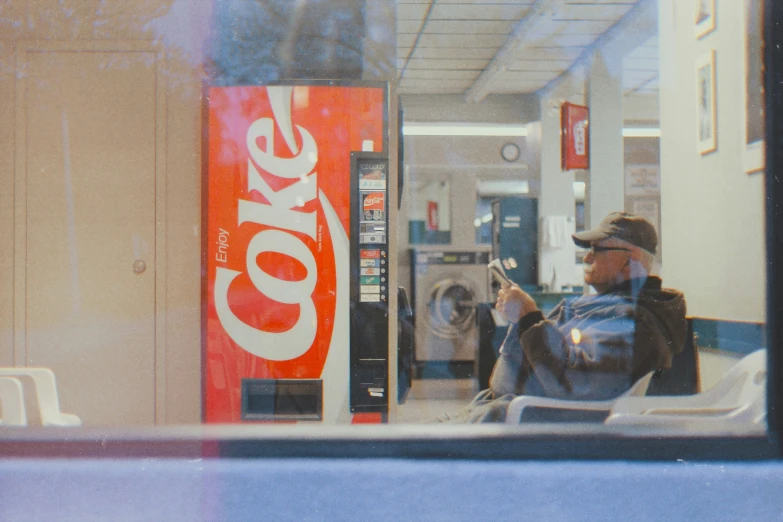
x,y
501,187
490,129
462,129
641,132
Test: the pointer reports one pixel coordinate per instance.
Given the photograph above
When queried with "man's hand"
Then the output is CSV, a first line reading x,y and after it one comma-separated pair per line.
x,y
514,303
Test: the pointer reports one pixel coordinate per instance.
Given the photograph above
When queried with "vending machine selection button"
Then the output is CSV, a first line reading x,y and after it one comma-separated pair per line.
x,y
370,289
370,254
369,280
368,262
372,238
368,271
370,298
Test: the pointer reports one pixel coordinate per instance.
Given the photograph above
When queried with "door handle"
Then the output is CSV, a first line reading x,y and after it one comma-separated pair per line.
x,y
139,266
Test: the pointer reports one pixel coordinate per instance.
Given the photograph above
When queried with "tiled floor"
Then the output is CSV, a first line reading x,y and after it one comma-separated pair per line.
x,y
428,398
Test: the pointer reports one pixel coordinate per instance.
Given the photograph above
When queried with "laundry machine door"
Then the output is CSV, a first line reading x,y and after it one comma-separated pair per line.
x,y
451,310
448,327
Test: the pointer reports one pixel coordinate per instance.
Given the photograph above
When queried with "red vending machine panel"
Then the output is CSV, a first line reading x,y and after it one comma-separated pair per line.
x,y
278,251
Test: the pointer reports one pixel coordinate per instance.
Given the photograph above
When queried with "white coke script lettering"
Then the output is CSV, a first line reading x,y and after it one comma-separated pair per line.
x,y
278,213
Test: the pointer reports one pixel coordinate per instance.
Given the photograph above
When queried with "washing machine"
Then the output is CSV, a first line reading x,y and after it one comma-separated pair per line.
x,y
448,286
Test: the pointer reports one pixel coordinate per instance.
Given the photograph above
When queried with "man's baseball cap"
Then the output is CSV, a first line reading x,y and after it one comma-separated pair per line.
x,y
619,225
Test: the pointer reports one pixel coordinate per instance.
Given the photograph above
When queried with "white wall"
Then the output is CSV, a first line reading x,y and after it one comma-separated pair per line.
x,y
712,211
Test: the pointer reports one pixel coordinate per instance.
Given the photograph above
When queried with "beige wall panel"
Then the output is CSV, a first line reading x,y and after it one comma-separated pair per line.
x,y
7,81
90,213
183,343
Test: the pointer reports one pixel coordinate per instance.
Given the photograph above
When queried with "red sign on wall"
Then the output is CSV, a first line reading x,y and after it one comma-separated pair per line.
x,y
575,136
432,215
277,232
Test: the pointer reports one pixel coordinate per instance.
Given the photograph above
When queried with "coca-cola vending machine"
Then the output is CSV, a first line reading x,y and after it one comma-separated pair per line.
x,y
295,269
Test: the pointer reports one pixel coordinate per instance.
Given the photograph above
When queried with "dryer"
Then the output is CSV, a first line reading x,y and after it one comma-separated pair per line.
x,y
448,287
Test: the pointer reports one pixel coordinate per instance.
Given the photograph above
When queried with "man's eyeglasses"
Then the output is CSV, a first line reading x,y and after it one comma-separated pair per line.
x,y
594,249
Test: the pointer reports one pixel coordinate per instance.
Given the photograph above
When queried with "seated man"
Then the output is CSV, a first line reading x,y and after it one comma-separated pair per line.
x,y
593,347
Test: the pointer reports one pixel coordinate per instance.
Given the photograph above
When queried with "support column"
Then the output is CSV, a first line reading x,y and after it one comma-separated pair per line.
x,y
556,198
606,189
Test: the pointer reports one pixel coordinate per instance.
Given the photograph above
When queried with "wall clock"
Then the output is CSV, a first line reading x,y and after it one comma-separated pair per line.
x,y
510,152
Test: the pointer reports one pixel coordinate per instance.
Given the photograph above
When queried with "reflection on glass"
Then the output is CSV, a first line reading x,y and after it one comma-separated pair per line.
x,y
103,159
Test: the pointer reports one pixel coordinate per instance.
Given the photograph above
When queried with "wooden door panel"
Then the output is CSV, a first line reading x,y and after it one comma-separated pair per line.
x,y
90,177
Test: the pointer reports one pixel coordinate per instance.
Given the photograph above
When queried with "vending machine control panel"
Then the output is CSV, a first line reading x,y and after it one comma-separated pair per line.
x,y
369,283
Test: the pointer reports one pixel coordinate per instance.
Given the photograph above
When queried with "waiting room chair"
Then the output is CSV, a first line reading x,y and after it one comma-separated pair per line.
x,y
545,409
740,396
12,410
682,378
46,399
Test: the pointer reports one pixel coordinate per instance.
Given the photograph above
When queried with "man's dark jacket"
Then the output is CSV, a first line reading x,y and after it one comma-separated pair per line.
x,y
590,348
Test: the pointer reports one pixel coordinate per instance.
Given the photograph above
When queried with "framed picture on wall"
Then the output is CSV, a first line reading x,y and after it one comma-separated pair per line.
x,y
707,128
754,86
704,17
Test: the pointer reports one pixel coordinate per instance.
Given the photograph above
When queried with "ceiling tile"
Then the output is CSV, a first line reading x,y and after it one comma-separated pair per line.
x,y
549,53
539,65
411,12
593,11
569,40
490,2
476,53
430,63
420,74
526,75
478,12
461,40
405,40
601,2
461,37
409,26
468,27
582,26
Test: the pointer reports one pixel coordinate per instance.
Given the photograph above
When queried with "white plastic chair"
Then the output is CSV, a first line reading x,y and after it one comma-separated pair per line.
x,y
46,398
517,406
740,396
12,402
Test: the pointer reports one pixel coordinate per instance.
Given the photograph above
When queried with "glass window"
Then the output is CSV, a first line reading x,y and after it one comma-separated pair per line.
x,y
218,214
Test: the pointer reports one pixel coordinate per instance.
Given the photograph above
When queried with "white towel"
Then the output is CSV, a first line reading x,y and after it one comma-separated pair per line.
x,y
555,230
